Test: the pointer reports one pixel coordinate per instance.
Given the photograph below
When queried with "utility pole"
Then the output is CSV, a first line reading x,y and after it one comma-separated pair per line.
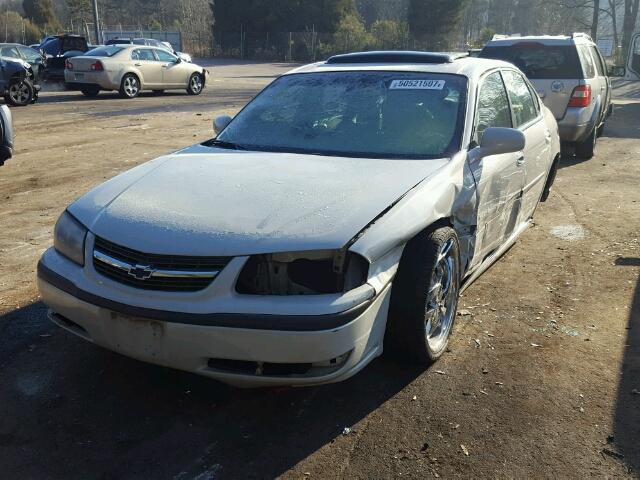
x,y
96,21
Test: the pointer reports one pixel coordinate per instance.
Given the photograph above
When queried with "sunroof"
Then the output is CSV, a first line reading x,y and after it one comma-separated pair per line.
x,y
395,57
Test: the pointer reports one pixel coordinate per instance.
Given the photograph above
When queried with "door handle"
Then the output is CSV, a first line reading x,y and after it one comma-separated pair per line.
x,y
138,64
520,159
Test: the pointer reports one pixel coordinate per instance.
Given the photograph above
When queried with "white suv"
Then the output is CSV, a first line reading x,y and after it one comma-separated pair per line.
x,y
570,76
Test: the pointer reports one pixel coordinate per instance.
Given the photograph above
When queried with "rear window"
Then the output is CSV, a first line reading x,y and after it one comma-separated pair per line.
x,y
539,61
70,44
108,51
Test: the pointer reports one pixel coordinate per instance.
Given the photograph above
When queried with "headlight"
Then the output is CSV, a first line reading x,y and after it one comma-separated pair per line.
x,y
68,238
302,273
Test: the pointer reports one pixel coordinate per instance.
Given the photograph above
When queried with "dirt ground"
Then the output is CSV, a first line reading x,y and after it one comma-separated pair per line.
x,y
542,378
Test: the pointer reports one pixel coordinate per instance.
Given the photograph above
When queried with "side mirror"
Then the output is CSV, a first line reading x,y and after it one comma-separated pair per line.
x,y
616,71
220,123
498,140
178,60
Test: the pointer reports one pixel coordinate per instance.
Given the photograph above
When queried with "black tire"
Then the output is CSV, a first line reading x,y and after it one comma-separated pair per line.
x,y
130,86
551,178
158,92
414,292
587,148
20,93
196,84
90,91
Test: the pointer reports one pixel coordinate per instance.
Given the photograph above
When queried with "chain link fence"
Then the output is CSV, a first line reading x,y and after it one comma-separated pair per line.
x,y
313,46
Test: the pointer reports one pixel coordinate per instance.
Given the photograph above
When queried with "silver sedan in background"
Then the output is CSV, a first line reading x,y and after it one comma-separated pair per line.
x,y
130,69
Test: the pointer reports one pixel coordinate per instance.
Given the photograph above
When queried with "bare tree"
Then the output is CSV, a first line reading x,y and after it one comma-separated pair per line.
x,y
629,23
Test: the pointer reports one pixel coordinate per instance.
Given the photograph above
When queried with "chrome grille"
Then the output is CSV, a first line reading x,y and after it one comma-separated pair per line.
x,y
150,271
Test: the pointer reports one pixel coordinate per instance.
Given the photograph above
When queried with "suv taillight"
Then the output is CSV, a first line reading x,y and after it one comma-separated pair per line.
x,y
68,65
97,67
581,96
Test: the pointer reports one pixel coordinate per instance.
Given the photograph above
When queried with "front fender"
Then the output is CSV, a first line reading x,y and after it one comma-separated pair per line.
x,y
447,194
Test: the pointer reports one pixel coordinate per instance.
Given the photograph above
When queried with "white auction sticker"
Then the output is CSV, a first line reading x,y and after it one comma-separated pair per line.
x,y
417,85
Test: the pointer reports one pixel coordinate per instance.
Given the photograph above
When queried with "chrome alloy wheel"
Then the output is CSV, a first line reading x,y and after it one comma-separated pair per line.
x,y
19,93
131,86
442,298
196,83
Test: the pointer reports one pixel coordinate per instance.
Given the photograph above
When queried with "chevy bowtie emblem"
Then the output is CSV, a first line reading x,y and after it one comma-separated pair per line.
x,y
141,272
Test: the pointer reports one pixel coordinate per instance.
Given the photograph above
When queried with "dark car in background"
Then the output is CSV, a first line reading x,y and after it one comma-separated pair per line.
x,y
6,134
28,54
18,84
57,49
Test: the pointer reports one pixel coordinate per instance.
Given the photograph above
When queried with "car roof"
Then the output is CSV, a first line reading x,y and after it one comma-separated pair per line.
x,y
506,40
471,67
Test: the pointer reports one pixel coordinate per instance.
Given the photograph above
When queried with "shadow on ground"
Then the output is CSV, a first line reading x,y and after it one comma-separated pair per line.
x,y
73,410
627,413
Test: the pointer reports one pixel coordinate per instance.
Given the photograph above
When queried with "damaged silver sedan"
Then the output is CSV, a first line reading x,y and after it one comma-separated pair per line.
x,y
341,212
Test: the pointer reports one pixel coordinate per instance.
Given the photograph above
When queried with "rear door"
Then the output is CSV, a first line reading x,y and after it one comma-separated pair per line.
x,y
145,62
554,70
499,178
528,118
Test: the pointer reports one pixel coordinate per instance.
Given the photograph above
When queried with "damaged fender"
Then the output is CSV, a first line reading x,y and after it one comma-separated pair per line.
x,y
449,194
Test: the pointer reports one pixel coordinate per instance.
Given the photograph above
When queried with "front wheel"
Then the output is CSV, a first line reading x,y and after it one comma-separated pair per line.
x,y
587,148
424,299
129,86
20,93
196,84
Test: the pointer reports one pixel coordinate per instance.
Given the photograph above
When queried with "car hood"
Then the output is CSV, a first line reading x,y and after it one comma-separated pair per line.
x,y
204,201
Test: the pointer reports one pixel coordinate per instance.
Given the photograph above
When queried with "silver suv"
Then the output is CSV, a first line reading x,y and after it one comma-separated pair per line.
x,y
570,76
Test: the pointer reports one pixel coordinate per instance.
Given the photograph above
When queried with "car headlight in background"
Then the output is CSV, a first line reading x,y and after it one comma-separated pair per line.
x,y
68,238
303,273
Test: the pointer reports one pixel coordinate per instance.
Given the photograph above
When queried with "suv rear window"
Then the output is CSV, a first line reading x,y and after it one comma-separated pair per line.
x,y
539,61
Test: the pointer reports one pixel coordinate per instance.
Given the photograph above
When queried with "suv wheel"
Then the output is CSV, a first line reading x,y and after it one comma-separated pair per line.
x,y
20,93
587,148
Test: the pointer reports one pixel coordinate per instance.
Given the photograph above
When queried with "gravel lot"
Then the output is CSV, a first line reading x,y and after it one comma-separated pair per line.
x,y
542,380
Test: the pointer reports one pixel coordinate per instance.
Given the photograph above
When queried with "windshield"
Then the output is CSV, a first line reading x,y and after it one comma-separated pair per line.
x,y
109,51
359,114
539,61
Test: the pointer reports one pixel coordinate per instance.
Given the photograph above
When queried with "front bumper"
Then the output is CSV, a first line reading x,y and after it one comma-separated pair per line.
x,y
208,344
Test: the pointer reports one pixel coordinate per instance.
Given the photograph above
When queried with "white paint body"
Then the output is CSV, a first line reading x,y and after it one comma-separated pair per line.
x,y
212,202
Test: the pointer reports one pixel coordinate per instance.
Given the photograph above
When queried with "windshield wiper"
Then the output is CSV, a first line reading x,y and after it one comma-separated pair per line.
x,y
227,145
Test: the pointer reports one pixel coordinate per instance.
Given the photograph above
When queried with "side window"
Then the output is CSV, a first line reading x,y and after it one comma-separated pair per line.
x,y
145,54
493,105
28,53
165,56
522,102
587,62
602,71
11,52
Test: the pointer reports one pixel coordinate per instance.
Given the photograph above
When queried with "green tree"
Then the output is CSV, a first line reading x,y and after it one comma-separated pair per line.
x,y
18,29
42,13
434,22
390,34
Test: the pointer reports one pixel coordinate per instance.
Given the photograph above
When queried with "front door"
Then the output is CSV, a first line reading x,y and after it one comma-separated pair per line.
x,y
174,74
499,178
